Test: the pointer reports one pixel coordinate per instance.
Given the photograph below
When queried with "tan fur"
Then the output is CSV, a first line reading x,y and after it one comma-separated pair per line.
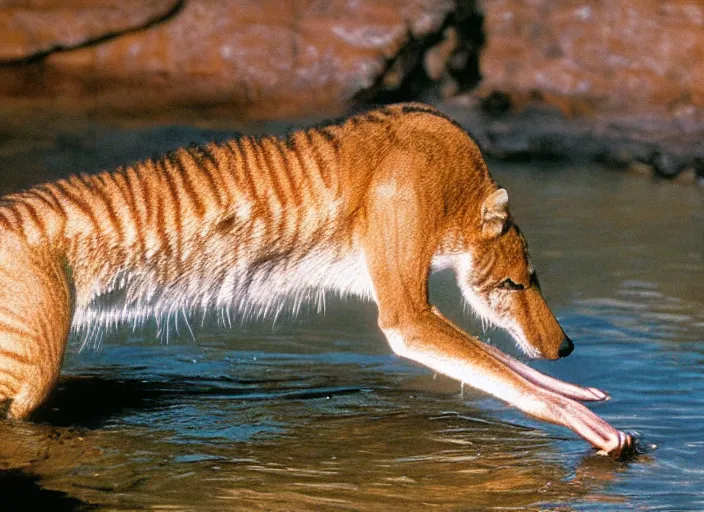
x,y
365,206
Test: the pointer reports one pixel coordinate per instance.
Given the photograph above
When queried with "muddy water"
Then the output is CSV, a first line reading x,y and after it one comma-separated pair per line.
x,y
315,413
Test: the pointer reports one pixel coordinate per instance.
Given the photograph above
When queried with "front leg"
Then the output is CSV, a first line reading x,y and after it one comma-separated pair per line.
x,y
437,344
400,229
546,382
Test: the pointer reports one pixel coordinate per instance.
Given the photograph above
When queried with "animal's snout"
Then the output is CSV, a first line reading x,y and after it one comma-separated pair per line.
x,y
566,347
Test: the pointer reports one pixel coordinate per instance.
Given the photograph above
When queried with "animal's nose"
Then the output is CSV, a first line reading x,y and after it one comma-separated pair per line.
x,y
566,347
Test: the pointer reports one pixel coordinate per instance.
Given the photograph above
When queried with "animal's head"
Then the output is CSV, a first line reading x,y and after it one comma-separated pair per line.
x,y
499,282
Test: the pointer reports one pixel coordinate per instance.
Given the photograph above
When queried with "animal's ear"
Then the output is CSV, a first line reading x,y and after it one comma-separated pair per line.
x,y
495,213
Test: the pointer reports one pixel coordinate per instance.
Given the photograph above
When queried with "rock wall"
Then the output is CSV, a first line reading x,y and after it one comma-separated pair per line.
x,y
31,30
619,80
268,58
593,57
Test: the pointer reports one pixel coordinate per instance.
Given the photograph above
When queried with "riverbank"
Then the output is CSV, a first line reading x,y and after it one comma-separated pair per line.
x,y
621,83
316,413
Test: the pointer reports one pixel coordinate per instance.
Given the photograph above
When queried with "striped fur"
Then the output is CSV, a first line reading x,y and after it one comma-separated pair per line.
x,y
364,206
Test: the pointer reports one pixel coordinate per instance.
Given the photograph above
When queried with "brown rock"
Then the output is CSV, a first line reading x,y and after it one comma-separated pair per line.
x,y
665,164
435,60
687,176
31,29
267,58
641,169
625,56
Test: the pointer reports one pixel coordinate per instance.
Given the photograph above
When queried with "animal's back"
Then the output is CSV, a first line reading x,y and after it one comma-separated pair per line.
x,y
245,224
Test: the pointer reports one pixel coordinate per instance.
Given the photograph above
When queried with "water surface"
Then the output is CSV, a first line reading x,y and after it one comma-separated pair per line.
x,y
316,413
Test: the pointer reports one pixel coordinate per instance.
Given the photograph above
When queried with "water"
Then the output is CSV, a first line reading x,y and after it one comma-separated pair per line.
x,y
315,413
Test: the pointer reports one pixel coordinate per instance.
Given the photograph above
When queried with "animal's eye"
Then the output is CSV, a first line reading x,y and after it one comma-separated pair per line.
x,y
508,284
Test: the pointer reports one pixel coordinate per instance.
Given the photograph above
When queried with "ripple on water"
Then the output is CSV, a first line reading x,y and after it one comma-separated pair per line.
x,y
317,414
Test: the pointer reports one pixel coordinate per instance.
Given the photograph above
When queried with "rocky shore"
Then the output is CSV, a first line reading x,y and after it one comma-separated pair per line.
x,y
619,81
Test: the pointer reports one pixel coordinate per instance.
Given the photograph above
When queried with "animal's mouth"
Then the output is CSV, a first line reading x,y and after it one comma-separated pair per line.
x,y
523,344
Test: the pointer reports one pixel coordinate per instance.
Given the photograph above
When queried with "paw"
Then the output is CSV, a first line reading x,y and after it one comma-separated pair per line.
x,y
625,448
599,396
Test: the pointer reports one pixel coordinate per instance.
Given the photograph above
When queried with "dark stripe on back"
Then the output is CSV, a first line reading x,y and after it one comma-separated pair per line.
x,y
83,206
159,223
246,173
288,169
274,169
35,217
176,163
332,138
5,223
12,209
57,206
372,117
34,192
305,177
122,182
419,109
105,198
145,181
210,157
176,207
263,168
296,193
246,146
320,164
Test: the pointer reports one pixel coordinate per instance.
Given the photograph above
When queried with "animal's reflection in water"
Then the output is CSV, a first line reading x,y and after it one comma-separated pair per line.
x,y
345,459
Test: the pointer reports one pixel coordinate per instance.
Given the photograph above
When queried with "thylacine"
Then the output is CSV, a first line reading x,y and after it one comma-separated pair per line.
x,y
366,206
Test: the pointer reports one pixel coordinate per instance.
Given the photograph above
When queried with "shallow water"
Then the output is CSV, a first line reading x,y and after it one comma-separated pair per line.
x,y
315,413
